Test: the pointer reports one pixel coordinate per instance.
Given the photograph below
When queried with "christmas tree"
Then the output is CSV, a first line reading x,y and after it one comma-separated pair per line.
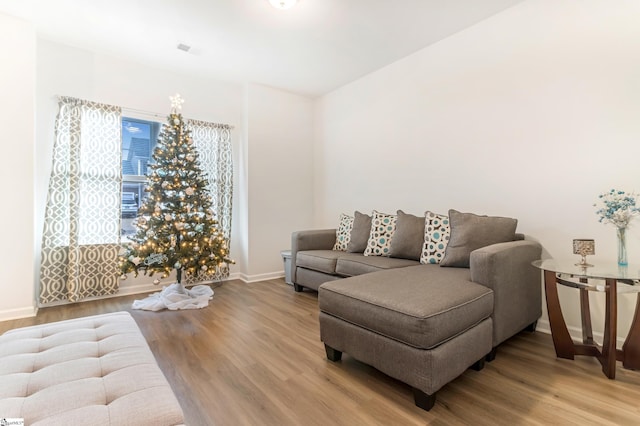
x,y
176,225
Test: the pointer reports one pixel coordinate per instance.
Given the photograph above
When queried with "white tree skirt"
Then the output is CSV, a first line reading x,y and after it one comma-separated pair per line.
x,y
176,296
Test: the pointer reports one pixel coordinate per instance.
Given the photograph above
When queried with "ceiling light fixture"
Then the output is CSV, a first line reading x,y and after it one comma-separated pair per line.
x,y
283,4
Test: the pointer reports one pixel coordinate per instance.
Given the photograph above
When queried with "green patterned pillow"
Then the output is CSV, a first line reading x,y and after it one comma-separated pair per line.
x,y
382,228
343,233
436,237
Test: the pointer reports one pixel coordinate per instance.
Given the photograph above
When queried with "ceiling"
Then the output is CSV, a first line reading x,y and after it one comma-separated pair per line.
x,y
311,49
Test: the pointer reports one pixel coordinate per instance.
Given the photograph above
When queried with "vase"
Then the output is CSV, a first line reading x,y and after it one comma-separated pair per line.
x,y
622,246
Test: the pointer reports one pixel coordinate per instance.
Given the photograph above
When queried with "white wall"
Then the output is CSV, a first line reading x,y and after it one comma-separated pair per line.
x,y
280,174
531,114
17,139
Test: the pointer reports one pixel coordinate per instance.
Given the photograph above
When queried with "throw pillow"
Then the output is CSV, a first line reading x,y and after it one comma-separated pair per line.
x,y
359,233
408,237
470,232
382,228
343,233
436,237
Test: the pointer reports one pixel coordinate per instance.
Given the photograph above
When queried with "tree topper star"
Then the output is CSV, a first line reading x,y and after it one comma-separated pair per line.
x,y
176,103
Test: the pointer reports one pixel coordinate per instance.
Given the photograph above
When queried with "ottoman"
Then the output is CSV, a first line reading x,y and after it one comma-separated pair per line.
x,y
422,326
95,370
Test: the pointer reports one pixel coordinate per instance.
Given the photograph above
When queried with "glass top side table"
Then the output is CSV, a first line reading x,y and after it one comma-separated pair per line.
x,y
604,278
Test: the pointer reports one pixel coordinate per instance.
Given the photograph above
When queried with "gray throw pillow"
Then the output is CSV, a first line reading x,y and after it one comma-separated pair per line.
x,y
470,232
408,238
359,233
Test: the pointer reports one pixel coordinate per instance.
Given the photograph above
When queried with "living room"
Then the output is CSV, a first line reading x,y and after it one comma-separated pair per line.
x,y
535,108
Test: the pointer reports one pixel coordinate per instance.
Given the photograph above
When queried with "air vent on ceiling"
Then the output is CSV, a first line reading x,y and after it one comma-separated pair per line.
x,y
184,47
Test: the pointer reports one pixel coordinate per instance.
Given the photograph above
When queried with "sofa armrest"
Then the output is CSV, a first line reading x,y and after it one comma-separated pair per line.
x,y
506,269
314,239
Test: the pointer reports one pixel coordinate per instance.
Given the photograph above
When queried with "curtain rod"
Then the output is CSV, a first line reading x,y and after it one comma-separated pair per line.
x,y
154,114
164,116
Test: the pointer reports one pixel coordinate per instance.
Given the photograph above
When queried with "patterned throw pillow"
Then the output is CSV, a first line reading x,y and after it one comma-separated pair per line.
x,y
343,233
436,237
382,228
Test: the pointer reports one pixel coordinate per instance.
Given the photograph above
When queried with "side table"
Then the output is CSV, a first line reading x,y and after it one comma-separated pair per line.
x,y
603,278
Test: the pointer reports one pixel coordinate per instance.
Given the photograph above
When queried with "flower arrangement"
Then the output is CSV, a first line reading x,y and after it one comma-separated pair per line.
x,y
617,207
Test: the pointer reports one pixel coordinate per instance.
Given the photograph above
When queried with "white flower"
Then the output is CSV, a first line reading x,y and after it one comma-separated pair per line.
x,y
189,191
617,207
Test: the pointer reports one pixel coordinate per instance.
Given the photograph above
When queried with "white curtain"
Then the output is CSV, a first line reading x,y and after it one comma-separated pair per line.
x,y
80,242
213,143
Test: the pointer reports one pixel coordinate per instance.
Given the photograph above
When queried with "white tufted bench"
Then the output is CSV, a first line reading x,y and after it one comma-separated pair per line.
x,y
95,370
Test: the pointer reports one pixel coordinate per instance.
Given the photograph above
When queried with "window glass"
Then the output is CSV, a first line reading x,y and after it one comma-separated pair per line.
x,y
138,141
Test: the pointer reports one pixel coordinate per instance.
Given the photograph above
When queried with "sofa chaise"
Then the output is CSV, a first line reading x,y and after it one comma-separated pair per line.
x,y
423,324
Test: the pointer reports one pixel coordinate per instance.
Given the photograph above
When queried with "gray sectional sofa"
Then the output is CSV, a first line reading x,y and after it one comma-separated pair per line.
x,y
423,324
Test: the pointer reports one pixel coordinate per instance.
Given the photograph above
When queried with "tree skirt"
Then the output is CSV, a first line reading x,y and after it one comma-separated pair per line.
x,y
176,296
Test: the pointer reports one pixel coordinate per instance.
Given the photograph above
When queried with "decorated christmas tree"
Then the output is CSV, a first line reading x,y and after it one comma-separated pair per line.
x,y
176,225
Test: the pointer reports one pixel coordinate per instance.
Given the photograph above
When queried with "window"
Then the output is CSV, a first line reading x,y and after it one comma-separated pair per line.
x,y
138,141
84,223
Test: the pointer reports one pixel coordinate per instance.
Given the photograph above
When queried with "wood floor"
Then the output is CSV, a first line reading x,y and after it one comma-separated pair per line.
x,y
253,357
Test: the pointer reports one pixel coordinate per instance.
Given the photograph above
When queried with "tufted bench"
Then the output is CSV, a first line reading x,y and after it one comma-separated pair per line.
x,y
95,370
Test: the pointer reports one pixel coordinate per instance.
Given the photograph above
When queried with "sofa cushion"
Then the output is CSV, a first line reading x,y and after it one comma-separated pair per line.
x,y
383,226
313,279
436,237
350,264
319,260
408,238
343,232
421,306
359,233
470,232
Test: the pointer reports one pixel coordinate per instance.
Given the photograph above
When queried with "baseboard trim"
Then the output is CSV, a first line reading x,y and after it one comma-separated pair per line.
x,y
260,277
576,333
12,314
129,290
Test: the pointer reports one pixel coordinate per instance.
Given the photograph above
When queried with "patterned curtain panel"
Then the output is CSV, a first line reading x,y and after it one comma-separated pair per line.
x,y
80,241
213,143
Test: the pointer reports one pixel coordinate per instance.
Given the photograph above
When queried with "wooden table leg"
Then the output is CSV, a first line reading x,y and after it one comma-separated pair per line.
x,y
608,357
559,333
587,330
631,347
